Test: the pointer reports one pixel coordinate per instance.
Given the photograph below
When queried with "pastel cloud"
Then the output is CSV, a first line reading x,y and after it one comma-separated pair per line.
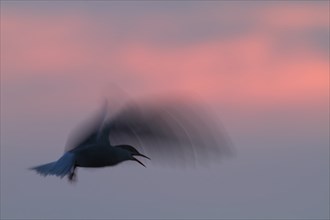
x,y
39,44
248,67
292,16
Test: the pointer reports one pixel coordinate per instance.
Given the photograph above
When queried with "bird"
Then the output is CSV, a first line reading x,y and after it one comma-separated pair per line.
x,y
174,132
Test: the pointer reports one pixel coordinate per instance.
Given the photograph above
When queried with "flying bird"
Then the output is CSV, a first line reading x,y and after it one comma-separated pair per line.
x,y
171,133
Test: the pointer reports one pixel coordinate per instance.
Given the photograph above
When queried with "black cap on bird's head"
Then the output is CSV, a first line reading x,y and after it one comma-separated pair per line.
x,y
133,152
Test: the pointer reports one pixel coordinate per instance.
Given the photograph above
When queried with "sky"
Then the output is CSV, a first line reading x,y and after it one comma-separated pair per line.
x,y
263,67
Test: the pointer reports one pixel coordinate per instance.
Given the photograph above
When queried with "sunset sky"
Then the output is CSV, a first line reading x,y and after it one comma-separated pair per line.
x,y
262,66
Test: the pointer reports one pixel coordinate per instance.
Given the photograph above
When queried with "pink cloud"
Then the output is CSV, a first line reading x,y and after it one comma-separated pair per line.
x,y
242,70
286,15
35,44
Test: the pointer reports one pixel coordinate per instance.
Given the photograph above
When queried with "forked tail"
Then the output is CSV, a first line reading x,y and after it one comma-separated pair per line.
x,y
60,168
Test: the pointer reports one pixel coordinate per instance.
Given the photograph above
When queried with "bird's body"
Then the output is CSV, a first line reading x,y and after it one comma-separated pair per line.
x,y
99,155
93,156
170,132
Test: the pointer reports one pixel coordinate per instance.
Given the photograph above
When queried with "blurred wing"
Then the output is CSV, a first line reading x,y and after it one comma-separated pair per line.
x,y
173,132
88,131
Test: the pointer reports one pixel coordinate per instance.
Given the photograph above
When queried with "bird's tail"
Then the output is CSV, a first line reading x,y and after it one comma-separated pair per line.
x,y
59,168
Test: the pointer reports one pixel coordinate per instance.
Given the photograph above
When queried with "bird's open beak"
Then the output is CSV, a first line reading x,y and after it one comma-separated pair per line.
x,y
138,161
141,155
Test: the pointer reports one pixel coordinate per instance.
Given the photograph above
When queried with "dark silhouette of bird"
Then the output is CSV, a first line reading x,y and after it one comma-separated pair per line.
x,y
172,132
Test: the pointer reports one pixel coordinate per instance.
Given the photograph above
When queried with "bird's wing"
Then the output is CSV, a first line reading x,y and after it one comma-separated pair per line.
x,y
179,132
89,131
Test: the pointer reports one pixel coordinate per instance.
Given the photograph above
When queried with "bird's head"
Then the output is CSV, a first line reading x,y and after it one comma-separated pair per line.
x,y
133,152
